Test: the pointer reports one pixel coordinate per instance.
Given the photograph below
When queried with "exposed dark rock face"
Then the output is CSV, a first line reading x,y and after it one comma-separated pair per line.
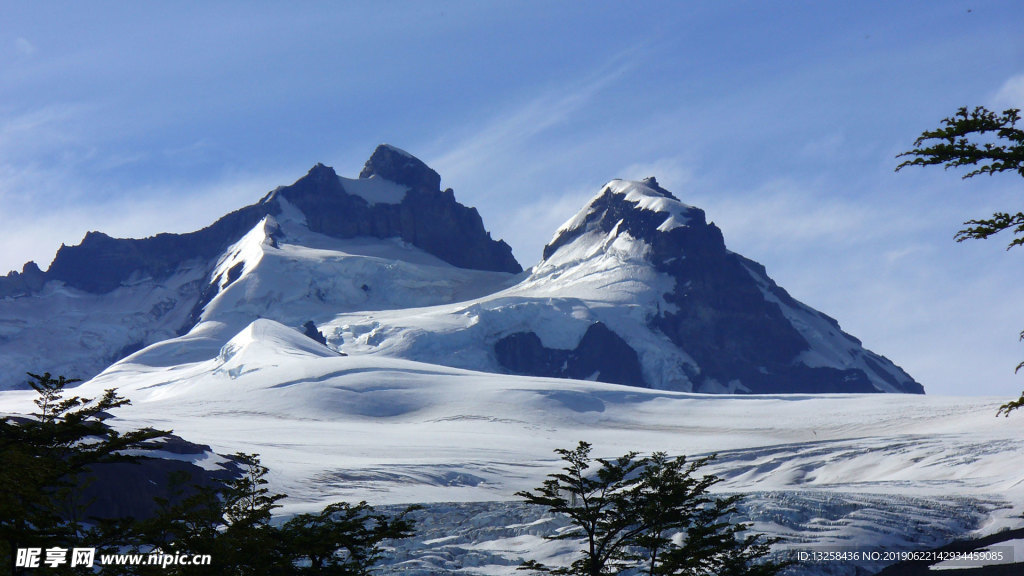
x,y
128,489
311,331
29,280
601,355
421,215
727,314
392,164
734,327
427,217
101,263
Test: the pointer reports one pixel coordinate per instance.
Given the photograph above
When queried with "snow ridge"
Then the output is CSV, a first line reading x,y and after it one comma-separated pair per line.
x,y
644,195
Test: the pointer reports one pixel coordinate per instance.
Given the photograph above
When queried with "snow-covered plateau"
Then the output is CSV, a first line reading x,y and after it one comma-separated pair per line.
x,y
871,471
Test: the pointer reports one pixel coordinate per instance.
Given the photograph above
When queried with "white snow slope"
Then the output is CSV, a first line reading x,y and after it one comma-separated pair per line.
x,y
284,272
597,278
871,471
89,330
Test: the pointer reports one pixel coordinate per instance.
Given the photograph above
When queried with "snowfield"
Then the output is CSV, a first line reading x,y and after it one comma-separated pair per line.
x,y
877,471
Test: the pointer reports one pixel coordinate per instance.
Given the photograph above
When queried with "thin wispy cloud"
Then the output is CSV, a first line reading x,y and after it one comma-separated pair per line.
x,y
1011,93
23,47
41,129
532,225
788,214
518,125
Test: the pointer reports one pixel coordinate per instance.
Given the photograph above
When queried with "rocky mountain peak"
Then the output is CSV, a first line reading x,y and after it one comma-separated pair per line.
x,y
643,209
652,183
398,196
399,166
321,173
743,332
637,288
429,219
23,283
177,275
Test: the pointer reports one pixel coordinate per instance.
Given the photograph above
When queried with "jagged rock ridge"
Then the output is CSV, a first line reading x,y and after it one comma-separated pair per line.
x,y
426,217
161,284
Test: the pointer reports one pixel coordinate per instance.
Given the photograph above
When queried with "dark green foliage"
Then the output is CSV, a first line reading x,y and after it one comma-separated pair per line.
x,y
653,515
231,522
1005,409
189,521
715,546
342,539
249,542
597,507
235,526
46,458
227,520
670,498
992,142
951,145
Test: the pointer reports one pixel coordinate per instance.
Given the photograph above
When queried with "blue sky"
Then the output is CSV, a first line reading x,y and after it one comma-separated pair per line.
x,y
780,119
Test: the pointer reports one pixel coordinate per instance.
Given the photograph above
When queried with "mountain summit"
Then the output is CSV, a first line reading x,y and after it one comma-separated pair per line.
x,y
637,288
737,327
107,297
396,196
399,166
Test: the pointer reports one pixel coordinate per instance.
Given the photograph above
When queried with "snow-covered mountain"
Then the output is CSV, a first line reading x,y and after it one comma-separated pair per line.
x,y
390,238
739,329
636,289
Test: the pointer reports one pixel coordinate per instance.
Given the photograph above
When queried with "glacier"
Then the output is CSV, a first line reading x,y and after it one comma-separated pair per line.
x,y
870,471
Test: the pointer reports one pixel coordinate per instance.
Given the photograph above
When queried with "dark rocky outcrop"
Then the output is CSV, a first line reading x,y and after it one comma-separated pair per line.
x,y
733,326
601,355
398,166
129,489
101,263
427,217
310,330
28,281
414,210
